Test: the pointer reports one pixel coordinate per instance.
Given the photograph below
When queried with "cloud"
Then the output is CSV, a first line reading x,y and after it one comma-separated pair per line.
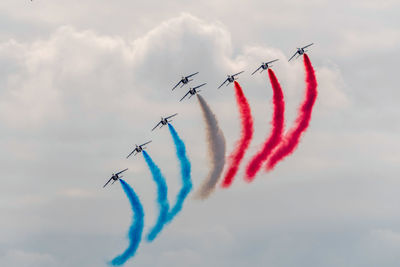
x,y
19,258
76,193
331,94
82,72
73,103
358,41
387,236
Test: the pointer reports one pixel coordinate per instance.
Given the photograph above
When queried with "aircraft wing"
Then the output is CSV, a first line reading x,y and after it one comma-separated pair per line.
x,y
156,126
222,84
177,84
107,182
237,73
292,56
184,96
199,85
308,45
192,75
121,171
131,153
256,70
145,143
171,116
272,61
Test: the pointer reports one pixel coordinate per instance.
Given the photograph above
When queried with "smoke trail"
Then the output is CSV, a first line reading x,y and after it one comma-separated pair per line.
x,y
276,132
292,138
244,142
162,197
136,229
216,150
185,174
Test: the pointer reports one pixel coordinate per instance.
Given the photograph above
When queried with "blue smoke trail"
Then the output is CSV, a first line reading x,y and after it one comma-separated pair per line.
x,y
136,229
185,174
162,198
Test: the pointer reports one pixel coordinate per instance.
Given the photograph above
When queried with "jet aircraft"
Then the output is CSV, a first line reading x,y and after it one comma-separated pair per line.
x,y
230,79
164,121
265,66
115,177
300,51
193,91
185,80
138,149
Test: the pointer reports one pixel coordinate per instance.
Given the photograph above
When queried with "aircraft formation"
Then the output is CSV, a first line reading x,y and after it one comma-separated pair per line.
x,y
279,144
193,91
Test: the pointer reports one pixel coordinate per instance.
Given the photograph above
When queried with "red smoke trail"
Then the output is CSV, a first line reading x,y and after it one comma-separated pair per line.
x,y
276,132
244,142
292,138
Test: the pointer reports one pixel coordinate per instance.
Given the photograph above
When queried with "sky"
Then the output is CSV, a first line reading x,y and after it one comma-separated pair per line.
x,y
81,82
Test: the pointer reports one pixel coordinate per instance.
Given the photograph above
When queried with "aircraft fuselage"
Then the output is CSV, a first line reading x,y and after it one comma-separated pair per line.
x,y
231,79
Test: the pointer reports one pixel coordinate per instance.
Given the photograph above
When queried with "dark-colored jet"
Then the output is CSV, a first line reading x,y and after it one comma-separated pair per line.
x,y
164,121
184,80
300,51
193,91
265,66
230,79
138,149
115,177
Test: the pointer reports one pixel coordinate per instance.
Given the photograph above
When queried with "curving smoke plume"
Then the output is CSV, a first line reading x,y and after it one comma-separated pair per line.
x,y
244,142
185,174
216,150
162,197
292,138
276,132
136,229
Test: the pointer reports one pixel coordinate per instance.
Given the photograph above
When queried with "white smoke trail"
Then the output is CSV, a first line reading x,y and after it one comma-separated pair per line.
x,y
216,150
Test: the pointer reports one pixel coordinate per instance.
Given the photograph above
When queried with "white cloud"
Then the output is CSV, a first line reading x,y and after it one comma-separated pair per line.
x,y
80,71
366,41
331,86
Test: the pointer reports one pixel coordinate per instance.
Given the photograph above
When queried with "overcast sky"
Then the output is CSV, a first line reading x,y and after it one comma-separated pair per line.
x,y
82,81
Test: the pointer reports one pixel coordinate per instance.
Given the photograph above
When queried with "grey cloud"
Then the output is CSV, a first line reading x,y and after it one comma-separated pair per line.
x,y
74,99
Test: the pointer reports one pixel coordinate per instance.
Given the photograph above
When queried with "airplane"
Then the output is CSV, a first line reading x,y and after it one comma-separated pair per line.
x,y
164,121
264,66
230,79
115,177
193,91
138,149
300,51
185,80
